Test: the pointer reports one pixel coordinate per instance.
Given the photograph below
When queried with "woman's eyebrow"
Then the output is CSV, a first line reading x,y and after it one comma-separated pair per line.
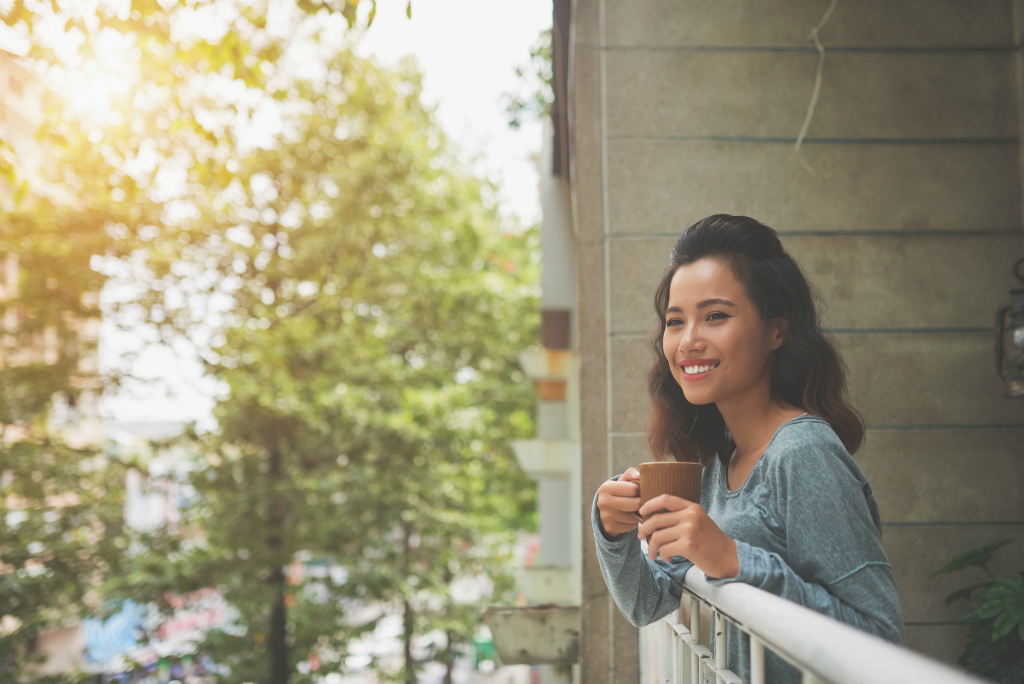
x,y
701,305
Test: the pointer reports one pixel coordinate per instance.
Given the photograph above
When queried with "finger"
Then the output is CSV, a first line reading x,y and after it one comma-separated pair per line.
x,y
626,519
668,552
657,522
629,504
624,489
666,502
622,485
665,543
631,474
654,546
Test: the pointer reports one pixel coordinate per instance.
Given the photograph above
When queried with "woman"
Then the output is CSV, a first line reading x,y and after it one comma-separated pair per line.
x,y
746,382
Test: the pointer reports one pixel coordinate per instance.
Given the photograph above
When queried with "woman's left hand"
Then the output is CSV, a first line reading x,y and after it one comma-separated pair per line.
x,y
686,530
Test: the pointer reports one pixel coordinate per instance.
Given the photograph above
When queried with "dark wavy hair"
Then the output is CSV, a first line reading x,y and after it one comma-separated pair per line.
x,y
807,370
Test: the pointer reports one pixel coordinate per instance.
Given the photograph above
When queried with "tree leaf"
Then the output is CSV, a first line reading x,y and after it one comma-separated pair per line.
x,y
408,9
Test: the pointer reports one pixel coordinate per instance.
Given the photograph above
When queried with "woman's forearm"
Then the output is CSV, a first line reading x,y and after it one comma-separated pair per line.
x,y
865,599
644,590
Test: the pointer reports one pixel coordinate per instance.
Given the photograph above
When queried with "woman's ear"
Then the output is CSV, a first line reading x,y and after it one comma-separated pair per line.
x,y
781,328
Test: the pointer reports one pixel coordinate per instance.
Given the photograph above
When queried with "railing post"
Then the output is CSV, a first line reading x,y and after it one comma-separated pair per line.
x,y
756,660
694,638
721,648
810,678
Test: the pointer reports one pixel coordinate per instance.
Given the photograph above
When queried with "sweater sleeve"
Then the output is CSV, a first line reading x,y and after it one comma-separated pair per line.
x,y
644,590
835,562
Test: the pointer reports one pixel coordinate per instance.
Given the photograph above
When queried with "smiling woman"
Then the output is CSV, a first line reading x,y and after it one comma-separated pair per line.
x,y
746,382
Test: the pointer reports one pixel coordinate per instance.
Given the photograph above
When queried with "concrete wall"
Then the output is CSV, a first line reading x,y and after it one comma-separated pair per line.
x,y
910,225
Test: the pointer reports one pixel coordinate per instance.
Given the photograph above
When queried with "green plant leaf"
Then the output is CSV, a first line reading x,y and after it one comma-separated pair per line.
x,y
408,9
990,609
1005,603
1009,588
979,557
1003,623
966,592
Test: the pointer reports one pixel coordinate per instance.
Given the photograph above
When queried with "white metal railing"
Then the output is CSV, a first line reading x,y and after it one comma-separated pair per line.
x,y
823,649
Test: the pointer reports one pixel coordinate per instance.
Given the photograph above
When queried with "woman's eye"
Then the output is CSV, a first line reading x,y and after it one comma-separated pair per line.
x,y
675,321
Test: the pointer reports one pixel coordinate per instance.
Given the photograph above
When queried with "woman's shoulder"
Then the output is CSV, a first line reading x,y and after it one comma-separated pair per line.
x,y
809,442
808,461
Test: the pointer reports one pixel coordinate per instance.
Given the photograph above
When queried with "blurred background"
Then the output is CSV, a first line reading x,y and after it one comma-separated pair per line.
x,y
269,275
323,321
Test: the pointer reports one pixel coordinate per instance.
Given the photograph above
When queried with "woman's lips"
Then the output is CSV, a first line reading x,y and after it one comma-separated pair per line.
x,y
699,376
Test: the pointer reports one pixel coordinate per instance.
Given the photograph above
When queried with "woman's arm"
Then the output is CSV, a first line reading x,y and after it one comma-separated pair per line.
x,y
834,560
644,590
865,598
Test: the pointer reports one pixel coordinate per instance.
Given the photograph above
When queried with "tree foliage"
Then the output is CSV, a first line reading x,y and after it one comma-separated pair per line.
x,y
536,93
372,313
349,284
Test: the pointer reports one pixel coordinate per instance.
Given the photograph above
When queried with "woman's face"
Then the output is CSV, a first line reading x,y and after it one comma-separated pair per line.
x,y
711,322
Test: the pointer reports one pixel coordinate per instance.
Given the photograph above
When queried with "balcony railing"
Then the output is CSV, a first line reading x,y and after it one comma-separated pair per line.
x,y
823,649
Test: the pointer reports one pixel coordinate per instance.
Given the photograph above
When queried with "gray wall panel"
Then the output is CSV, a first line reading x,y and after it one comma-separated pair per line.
x,y
670,93
916,552
868,282
866,23
945,475
661,187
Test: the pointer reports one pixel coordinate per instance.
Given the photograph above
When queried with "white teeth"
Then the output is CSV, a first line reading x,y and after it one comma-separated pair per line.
x,y
694,370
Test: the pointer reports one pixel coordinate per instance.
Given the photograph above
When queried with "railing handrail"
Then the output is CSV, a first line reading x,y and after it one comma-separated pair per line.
x,y
808,639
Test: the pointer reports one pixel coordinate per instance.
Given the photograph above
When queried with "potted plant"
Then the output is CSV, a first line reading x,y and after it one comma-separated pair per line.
x,y
995,641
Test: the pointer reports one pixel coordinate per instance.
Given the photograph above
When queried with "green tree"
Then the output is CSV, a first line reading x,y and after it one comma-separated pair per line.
x,y
370,312
60,505
353,271
536,91
61,496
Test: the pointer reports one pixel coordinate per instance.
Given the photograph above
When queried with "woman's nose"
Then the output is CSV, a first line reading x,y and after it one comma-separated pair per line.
x,y
688,337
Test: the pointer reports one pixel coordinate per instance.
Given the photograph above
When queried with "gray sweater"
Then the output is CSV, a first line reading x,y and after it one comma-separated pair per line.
x,y
806,528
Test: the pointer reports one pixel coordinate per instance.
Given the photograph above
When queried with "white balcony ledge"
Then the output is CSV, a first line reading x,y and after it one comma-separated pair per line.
x,y
824,649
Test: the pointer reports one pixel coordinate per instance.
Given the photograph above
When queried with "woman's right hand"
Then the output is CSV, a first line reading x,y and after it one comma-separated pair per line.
x,y
618,502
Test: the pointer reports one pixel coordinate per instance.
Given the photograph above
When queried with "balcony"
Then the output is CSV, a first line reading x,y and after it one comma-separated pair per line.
x,y
823,649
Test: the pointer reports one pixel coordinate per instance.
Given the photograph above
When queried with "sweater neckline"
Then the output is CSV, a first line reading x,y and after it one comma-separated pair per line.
x,y
723,471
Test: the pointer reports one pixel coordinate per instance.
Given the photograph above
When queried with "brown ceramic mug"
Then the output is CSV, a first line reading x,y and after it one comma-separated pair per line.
x,y
669,477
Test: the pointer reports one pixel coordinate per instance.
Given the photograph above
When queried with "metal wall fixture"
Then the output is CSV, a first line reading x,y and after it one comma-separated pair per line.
x,y
1010,366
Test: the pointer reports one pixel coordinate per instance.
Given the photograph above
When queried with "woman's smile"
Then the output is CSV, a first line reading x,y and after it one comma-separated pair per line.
x,y
698,369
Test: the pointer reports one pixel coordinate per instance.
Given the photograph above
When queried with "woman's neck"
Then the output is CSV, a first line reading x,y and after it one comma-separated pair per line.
x,y
752,420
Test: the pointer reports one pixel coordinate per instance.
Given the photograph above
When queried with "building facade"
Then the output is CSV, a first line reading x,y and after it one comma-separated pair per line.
x,y
903,204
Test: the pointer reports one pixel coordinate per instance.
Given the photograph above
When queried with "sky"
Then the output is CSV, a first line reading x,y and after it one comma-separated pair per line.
x,y
468,51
